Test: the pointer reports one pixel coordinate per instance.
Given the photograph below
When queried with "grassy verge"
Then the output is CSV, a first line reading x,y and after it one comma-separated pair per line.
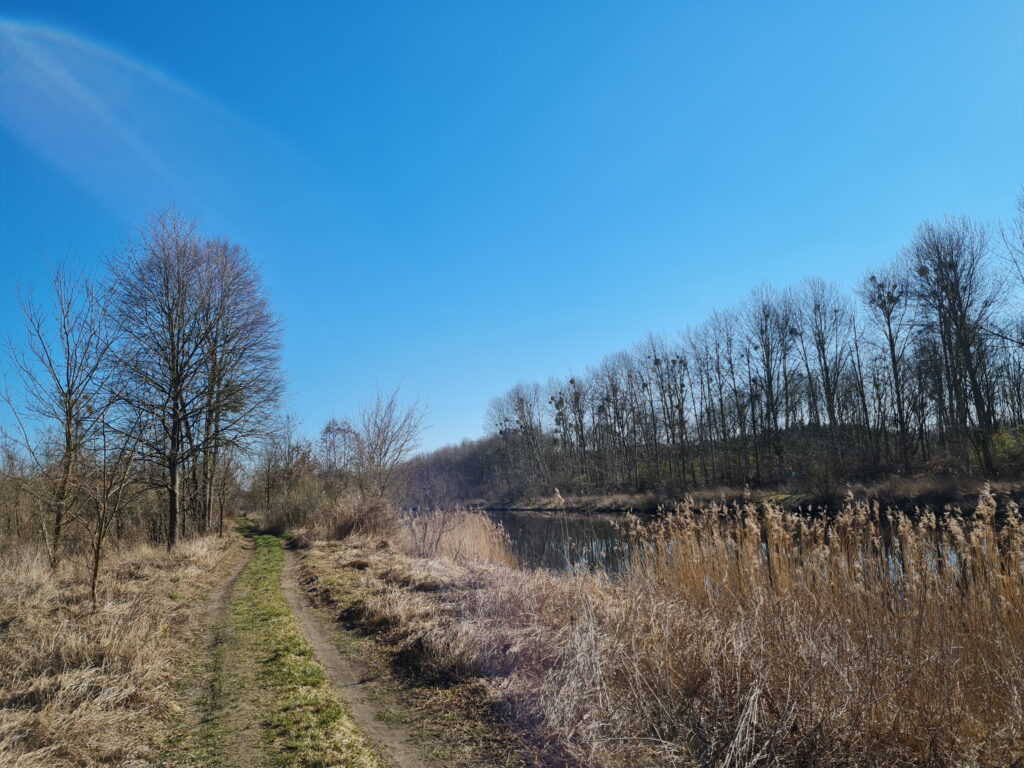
x,y
306,724
86,687
454,718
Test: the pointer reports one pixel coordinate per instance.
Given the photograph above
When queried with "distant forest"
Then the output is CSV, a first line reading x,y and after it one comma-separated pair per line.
x,y
919,369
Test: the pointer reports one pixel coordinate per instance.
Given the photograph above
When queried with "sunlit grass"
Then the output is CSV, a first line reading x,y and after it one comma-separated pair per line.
x,y
306,725
87,687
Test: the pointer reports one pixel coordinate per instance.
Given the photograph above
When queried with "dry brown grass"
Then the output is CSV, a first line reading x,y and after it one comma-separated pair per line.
x,y
80,687
347,516
897,491
458,535
933,490
455,534
738,637
593,502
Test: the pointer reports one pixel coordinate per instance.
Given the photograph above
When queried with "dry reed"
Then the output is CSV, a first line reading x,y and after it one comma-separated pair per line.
x,y
737,637
458,535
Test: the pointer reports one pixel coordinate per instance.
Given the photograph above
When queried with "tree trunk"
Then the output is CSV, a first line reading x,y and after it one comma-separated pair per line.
x,y
172,506
96,553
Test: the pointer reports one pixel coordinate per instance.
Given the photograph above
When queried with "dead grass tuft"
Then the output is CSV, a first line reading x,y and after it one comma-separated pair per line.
x,y
83,687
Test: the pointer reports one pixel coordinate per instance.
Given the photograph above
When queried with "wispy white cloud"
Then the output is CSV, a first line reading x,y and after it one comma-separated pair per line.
x,y
124,131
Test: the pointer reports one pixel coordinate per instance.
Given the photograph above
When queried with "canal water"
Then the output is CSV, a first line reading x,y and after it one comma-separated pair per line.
x,y
564,541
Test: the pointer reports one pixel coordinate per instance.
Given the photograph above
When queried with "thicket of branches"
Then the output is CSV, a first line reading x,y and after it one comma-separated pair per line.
x,y
921,369
138,392
352,476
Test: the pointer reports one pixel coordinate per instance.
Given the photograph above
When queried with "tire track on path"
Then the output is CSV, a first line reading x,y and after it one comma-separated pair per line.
x,y
353,682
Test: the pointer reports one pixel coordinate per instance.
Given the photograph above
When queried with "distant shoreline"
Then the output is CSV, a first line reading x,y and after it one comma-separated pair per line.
x,y
934,493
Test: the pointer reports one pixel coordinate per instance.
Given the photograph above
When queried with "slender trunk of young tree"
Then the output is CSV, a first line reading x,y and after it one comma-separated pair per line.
x,y
172,506
97,551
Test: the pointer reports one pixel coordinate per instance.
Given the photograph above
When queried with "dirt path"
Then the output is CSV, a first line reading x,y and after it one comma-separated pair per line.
x,y
220,601
354,684
259,694
212,731
228,736
270,685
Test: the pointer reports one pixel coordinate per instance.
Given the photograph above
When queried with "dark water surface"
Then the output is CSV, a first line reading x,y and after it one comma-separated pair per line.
x,y
563,541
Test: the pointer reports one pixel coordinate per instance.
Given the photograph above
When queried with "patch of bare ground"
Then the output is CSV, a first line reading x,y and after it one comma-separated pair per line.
x,y
382,717
416,709
211,726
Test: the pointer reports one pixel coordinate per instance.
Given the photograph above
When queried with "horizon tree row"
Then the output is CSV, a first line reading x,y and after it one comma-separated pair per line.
x,y
921,368
140,390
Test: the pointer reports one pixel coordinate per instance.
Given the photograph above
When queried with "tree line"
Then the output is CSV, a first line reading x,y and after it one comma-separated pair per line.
x,y
919,369
139,390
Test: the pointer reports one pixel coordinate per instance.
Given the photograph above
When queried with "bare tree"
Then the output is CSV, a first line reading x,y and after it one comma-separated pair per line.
x,y
199,358
108,484
240,373
335,451
62,368
957,301
1012,236
887,296
769,337
157,309
385,436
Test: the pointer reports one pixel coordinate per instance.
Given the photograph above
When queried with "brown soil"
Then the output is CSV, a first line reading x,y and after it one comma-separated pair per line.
x,y
355,684
451,722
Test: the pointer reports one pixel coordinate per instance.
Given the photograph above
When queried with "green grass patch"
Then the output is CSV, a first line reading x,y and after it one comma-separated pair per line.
x,y
304,724
395,716
246,526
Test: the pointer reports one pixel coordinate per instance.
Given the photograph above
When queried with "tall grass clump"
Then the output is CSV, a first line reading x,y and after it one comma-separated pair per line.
x,y
458,535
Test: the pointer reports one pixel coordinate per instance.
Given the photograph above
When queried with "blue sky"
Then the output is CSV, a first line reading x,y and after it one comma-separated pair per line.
x,y
456,196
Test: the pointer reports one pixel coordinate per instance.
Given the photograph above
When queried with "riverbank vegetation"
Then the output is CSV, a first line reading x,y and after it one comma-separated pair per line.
x,y
918,370
735,636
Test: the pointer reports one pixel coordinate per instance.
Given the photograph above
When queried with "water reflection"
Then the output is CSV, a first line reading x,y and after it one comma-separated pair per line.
x,y
563,541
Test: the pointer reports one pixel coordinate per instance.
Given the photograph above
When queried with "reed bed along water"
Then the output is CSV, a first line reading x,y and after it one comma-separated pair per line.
x,y
737,636
84,686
